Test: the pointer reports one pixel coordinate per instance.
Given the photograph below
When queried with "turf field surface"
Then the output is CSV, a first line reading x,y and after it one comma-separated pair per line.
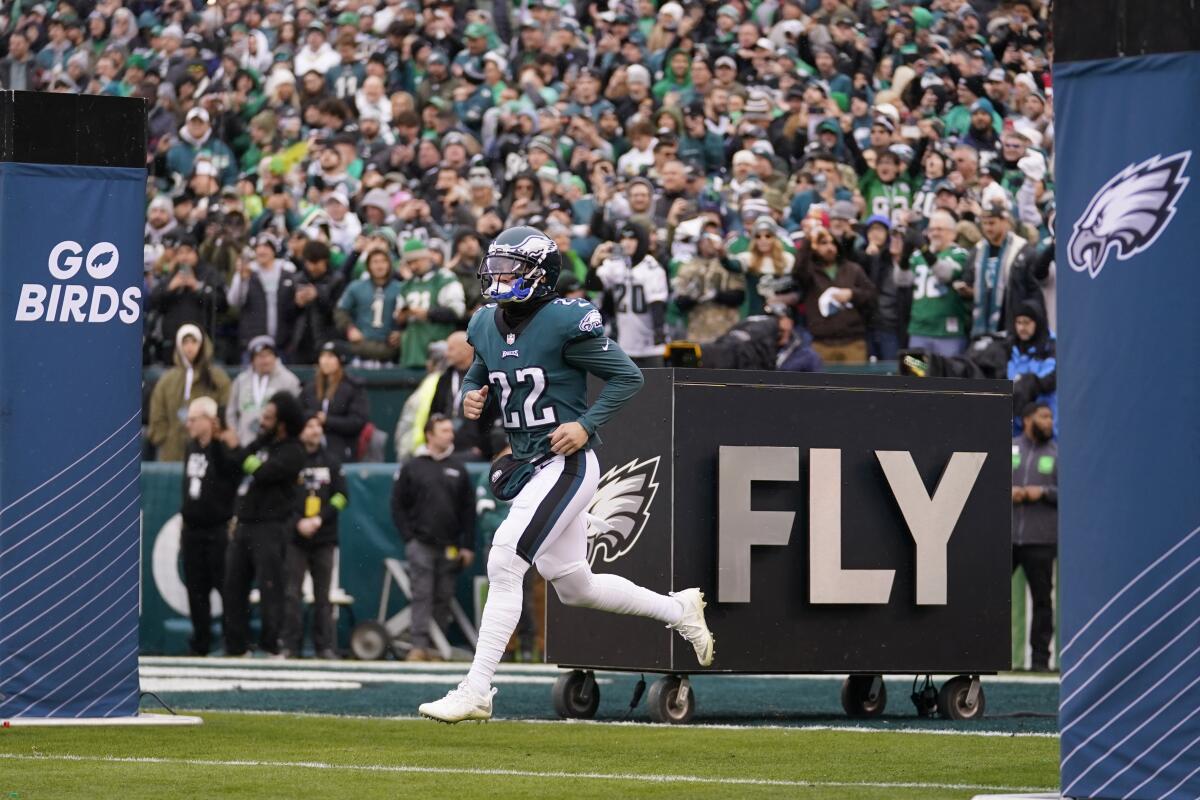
x,y
288,755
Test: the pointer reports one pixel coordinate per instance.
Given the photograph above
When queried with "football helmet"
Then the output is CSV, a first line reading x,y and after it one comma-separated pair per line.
x,y
522,263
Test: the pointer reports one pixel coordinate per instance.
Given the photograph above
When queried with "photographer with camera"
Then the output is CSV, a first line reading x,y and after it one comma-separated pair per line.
x,y
708,291
187,291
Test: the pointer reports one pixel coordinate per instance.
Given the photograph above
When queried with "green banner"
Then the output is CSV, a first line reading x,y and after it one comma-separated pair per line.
x,y
367,538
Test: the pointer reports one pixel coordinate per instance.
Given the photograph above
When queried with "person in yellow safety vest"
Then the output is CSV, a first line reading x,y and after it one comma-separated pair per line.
x,y
410,428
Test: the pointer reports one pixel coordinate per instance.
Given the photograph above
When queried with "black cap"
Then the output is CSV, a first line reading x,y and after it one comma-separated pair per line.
x,y
335,347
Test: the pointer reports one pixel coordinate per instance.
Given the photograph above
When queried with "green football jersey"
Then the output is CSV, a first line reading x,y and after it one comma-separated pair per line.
x,y
938,310
892,200
437,289
537,371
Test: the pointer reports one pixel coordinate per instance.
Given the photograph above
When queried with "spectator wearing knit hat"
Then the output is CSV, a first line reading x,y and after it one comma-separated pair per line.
x,y
264,376
263,290
431,304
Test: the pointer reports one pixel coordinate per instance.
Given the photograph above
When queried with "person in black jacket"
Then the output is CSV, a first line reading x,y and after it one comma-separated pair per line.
x,y
194,293
338,400
433,507
887,324
272,464
317,292
312,545
210,481
472,437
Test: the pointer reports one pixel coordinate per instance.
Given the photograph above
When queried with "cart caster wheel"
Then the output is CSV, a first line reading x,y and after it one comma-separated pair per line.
x,y
864,696
671,700
369,641
925,699
576,695
961,698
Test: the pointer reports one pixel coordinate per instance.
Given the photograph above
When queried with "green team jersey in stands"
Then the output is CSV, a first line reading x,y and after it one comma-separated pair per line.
x,y
537,371
439,293
938,310
889,200
370,307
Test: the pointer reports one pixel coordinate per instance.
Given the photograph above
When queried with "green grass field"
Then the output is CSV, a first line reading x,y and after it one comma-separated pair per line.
x,y
285,755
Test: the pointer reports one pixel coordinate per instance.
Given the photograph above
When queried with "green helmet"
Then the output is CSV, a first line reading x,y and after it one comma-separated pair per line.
x,y
520,264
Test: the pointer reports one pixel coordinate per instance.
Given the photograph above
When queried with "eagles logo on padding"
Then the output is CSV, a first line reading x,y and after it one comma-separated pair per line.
x,y
620,509
1129,212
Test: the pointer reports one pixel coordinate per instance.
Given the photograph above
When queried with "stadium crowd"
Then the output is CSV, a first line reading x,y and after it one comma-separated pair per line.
x,y
872,175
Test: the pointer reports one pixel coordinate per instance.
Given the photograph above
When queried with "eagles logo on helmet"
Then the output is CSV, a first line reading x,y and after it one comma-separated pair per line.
x,y
521,264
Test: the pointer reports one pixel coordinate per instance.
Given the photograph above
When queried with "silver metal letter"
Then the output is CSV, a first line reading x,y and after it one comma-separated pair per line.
x,y
931,521
828,582
739,528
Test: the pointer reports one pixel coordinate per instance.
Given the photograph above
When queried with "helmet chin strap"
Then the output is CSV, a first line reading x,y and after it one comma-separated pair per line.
x,y
516,292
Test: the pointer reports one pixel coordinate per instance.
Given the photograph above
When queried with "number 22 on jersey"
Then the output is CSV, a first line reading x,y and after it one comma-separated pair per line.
x,y
523,414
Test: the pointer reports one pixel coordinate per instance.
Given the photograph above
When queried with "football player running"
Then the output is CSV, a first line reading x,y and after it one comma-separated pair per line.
x,y
533,351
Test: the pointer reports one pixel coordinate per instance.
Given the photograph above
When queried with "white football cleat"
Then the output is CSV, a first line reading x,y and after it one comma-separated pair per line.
x,y
459,704
692,626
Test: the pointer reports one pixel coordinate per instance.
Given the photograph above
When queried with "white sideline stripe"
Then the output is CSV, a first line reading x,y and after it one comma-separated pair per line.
x,y
229,685
1079,662
136,415
136,437
337,675
632,777
543,669
713,726
1126,588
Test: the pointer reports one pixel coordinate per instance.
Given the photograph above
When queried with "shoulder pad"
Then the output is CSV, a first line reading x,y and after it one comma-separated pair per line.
x,y
579,318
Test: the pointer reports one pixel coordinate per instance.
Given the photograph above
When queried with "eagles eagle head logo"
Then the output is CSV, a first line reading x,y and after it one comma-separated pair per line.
x,y
1129,212
620,509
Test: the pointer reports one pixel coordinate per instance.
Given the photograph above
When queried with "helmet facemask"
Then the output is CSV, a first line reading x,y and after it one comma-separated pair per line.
x,y
509,277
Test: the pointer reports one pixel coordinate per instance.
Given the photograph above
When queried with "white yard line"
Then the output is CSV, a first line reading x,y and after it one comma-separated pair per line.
x,y
545,669
184,684
630,777
283,676
715,726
